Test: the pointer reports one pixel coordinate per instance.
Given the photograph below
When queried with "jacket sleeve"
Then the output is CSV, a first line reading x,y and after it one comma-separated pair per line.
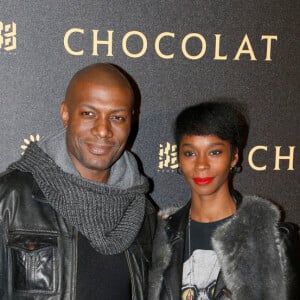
x,y
3,249
149,225
291,239
2,265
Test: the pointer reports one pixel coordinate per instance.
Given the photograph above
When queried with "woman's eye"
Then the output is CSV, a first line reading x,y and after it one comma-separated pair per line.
x,y
188,153
215,152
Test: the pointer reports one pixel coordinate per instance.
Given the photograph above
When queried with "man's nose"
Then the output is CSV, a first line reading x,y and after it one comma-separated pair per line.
x,y
102,128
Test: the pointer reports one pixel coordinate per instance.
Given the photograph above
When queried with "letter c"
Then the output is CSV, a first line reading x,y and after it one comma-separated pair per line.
x,y
66,41
250,158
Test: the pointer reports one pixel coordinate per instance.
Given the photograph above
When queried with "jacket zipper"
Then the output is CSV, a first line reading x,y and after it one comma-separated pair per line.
x,y
131,275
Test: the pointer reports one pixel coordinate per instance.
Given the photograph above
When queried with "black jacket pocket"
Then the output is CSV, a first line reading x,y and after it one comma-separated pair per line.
x,y
33,262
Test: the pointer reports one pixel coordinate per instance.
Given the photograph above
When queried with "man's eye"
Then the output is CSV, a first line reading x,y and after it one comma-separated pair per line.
x,y
87,113
118,118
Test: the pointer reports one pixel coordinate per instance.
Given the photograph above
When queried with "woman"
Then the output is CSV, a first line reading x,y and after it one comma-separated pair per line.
x,y
220,245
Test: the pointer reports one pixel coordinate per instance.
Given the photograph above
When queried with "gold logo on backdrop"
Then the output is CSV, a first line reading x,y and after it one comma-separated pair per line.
x,y
277,158
32,138
167,157
8,32
103,43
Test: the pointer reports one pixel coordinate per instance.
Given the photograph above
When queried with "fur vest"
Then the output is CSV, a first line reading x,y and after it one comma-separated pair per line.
x,y
249,247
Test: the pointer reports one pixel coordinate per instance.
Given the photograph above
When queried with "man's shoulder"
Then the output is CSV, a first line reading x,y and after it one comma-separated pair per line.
x,y
146,233
151,207
14,180
150,215
15,177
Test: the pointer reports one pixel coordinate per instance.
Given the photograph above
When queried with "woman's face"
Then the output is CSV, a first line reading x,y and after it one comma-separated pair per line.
x,y
205,162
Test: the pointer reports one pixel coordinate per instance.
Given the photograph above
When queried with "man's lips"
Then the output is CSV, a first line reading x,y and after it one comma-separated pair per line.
x,y
99,149
203,180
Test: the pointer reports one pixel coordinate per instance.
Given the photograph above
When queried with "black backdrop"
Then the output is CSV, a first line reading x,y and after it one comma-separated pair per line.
x,y
179,53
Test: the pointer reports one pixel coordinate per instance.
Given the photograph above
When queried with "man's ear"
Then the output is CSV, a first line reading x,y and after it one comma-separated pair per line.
x,y
64,113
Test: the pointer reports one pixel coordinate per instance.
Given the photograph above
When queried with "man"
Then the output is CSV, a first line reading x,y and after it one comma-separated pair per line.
x,y
75,222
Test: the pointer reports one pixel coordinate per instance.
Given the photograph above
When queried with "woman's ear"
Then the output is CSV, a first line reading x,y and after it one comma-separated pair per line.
x,y
235,157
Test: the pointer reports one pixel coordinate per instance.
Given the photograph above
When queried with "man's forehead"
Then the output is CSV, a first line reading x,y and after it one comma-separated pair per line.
x,y
99,93
96,77
102,73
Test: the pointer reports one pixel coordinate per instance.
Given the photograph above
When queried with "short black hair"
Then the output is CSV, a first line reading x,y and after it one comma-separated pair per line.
x,y
222,119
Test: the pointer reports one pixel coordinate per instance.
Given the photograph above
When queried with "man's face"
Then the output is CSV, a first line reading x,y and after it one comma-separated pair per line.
x,y
98,122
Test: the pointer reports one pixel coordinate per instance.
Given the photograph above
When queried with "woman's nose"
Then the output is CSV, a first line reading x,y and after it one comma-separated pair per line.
x,y
202,162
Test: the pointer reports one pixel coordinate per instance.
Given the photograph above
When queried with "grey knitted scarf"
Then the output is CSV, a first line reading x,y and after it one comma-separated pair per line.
x,y
109,217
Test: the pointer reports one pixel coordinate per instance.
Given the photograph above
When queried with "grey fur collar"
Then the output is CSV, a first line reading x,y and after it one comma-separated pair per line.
x,y
161,258
249,249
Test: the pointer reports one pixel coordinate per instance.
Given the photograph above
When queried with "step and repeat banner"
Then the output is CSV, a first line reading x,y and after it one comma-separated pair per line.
x,y
179,53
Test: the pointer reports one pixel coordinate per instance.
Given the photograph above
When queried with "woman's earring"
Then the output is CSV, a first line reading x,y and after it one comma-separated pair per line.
x,y
235,169
179,171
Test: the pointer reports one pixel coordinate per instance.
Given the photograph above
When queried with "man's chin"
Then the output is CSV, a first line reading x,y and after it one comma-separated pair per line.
x,y
99,162
98,167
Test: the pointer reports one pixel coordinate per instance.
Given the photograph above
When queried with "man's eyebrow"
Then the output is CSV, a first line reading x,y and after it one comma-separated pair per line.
x,y
121,109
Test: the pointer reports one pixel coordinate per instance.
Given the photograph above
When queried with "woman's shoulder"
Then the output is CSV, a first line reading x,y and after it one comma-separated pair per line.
x,y
171,212
258,207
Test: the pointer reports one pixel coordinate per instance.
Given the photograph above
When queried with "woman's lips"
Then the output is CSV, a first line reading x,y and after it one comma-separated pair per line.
x,y
203,180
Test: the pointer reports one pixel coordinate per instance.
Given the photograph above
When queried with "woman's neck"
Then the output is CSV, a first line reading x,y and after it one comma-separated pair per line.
x,y
211,208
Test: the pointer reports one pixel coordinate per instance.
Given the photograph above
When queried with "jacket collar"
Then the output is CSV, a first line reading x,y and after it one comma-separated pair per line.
x,y
177,222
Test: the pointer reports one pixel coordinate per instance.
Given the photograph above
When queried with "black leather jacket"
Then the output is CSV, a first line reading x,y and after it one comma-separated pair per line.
x,y
38,250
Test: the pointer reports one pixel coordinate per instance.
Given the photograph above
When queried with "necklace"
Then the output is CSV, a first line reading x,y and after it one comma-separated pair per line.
x,y
191,294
